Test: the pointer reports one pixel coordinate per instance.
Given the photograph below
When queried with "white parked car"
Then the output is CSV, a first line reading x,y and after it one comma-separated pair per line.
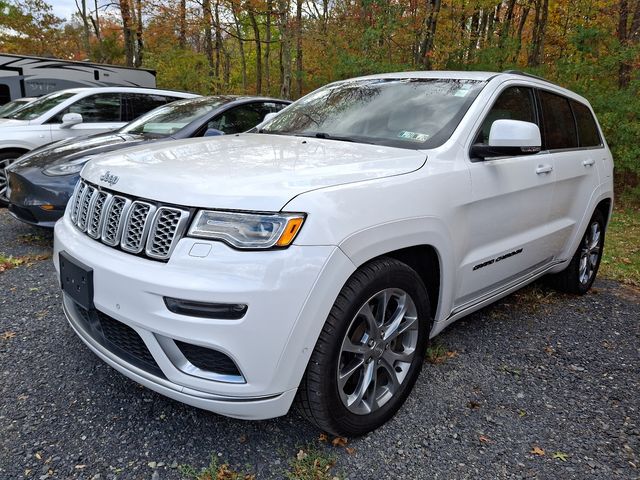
x,y
312,260
72,113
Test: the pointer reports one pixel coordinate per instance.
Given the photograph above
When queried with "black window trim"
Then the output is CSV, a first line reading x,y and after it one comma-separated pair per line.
x,y
575,123
536,111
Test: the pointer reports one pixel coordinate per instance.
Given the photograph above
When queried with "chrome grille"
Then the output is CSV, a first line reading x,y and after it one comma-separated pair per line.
x,y
136,226
133,225
166,229
95,219
80,188
113,219
85,206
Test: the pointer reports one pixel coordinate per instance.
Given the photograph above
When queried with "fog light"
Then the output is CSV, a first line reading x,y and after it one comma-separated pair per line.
x,y
222,311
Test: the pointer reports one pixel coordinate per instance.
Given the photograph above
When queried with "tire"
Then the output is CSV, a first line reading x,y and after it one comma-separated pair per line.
x,y
6,159
581,272
351,346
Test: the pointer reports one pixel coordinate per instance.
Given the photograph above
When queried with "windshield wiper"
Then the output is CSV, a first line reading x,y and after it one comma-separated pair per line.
x,y
339,138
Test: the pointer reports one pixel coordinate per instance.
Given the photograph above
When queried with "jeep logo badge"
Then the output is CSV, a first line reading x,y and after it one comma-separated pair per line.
x,y
108,178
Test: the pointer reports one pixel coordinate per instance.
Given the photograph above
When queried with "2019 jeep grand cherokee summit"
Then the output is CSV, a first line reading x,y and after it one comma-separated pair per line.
x,y
311,260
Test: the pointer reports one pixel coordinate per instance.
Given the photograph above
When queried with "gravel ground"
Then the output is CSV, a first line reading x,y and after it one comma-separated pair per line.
x,y
538,369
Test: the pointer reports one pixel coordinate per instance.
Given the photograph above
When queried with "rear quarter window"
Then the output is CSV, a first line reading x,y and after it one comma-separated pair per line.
x,y
588,135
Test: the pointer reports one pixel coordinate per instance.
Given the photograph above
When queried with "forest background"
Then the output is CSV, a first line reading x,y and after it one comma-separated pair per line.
x,y
286,48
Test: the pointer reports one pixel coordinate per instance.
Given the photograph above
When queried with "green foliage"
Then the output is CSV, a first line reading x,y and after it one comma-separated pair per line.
x,y
181,69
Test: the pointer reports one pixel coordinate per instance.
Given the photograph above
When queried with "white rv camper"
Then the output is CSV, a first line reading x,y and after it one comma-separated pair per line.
x,y
22,76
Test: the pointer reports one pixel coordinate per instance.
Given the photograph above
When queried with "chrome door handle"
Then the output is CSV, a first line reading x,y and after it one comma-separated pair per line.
x,y
544,169
588,163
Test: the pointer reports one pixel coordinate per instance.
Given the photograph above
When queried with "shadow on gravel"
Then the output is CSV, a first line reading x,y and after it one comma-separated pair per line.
x,y
541,385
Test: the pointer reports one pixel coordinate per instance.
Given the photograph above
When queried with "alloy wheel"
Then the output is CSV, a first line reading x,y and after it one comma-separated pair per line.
x,y
377,351
590,253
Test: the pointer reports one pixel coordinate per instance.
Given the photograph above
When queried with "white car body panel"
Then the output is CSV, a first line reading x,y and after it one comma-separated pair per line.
x,y
362,201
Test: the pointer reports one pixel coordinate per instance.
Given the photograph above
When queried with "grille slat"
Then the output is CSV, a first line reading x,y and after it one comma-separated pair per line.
x,y
133,225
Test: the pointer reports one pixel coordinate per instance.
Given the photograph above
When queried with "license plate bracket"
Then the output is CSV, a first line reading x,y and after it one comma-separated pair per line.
x,y
76,280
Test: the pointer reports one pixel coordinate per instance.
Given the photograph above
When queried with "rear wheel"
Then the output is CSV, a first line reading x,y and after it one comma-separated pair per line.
x,y
370,351
581,272
6,159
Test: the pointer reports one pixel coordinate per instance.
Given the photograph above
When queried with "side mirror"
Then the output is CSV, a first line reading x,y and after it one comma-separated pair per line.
x,y
70,119
213,132
509,138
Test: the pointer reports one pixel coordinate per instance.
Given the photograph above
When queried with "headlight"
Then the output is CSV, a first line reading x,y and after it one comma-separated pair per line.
x,y
67,168
247,230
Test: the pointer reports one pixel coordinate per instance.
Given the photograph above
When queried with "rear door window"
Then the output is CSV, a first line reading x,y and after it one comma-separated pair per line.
x,y
514,103
559,125
588,135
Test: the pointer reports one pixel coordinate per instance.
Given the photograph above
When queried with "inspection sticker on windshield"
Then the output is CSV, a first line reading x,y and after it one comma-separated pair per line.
x,y
463,91
416,137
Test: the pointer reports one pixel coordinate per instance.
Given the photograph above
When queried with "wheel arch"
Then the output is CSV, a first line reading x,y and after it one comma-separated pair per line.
x,y
422,243
20,150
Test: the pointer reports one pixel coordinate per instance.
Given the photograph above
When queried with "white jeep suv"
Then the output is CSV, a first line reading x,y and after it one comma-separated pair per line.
x,y
311,260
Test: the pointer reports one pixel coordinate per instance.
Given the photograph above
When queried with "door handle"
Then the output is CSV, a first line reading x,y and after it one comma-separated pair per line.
x,y
544,169
588,163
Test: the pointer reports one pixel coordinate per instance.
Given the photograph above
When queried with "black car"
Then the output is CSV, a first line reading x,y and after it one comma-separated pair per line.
x,y
41,182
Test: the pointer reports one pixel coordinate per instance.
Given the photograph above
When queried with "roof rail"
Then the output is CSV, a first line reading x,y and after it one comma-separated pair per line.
x,y
525,74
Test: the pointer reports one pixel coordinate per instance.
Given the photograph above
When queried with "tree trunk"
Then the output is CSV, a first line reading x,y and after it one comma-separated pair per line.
x,y
521,24
267,47
183,23
429,33
139,42
539,29
473,35
208,42
243,60
285,44
256,37
127,31
218,44
82,11
299,48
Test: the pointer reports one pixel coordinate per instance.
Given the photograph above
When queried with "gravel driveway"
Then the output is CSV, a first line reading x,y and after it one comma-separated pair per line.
x,y
540,385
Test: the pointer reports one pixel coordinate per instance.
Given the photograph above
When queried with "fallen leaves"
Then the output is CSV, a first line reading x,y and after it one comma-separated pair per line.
x,y
7,263
537,451
339,442
8,335
561,456
484,439
438,354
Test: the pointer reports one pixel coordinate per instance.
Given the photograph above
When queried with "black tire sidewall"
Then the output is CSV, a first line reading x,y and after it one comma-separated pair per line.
x,y
399,276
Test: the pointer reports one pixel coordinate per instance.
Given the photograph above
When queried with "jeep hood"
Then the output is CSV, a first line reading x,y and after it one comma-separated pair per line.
x,y
244,172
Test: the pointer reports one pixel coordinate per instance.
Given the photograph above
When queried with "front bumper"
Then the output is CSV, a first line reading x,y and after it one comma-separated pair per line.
x,y
29,190
288,292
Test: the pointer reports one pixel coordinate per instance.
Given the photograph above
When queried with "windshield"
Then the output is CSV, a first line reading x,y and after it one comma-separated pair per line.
x,y
406,113
168,119
40,106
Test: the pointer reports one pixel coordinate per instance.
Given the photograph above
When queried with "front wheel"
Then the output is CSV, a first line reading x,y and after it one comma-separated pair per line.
x,y
581,272
370,351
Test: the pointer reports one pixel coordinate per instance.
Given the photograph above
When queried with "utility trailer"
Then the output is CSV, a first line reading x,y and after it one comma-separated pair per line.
x,y
24,76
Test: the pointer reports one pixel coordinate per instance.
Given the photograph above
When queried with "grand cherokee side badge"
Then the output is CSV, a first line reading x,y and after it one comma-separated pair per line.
x,y
108,178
